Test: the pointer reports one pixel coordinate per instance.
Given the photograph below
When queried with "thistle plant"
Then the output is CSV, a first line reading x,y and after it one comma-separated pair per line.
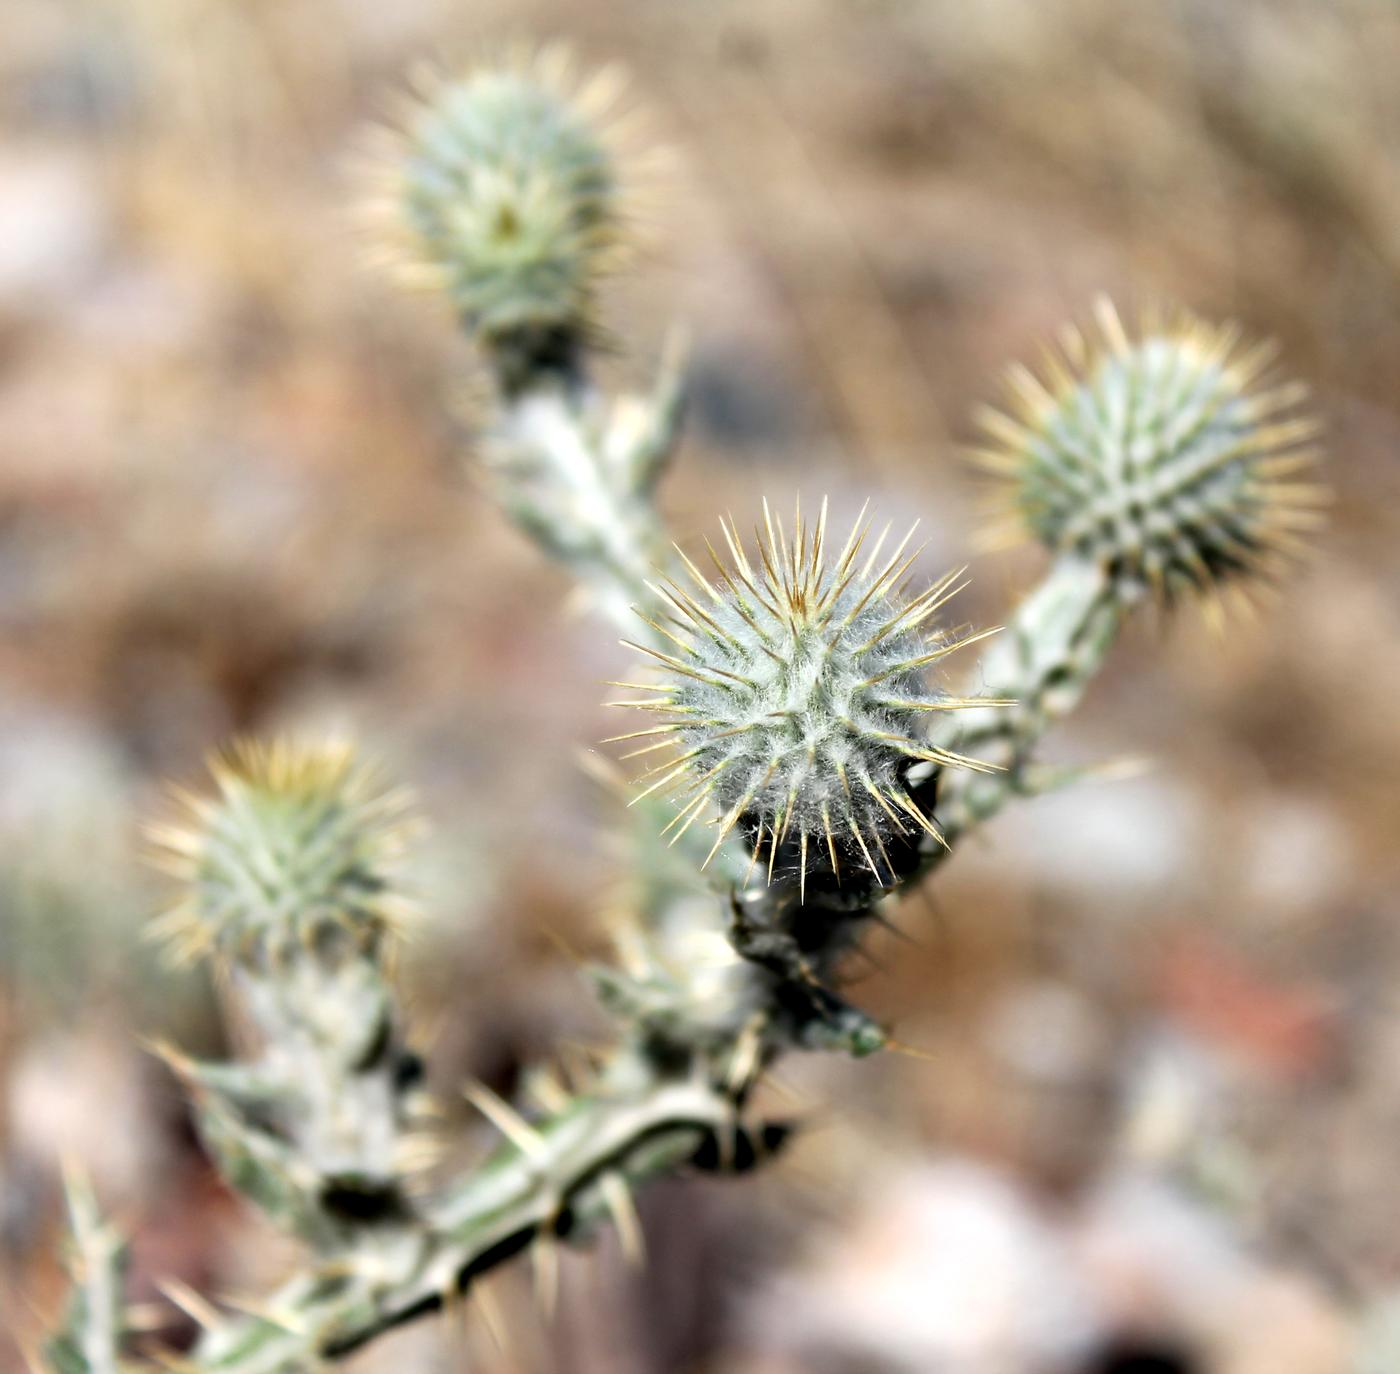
x,y
819,754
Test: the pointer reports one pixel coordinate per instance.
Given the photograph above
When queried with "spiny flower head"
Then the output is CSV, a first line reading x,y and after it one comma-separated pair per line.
x,y
796,694
294,852
511,195
1169,457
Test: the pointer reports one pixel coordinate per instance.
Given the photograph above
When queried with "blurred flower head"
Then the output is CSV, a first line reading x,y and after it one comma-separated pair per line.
x,y
1168,454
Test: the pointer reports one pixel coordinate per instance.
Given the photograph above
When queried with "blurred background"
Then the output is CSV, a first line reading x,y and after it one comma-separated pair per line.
x,y
1154,1119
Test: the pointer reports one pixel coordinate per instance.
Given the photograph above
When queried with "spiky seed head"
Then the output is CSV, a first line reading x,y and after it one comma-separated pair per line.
x,y
1167,454
295,851
795,693
510,191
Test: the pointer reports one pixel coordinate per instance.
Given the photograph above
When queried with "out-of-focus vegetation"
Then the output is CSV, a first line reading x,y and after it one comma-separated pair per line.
x,y
1161,1108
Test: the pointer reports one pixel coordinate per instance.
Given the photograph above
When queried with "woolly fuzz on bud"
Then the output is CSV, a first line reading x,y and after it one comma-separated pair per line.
x,y
294,852
508,188
1168,455
796,696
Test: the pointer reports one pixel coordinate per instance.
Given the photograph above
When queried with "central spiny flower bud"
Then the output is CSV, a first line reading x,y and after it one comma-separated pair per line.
x,y
797,695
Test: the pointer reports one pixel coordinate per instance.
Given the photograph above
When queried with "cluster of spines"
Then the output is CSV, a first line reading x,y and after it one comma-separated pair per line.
x,y
794,693
296,846
1166,453
506,190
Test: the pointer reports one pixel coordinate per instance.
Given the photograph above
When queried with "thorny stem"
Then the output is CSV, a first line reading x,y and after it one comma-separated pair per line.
x,y
554,1184
91,1334
1055,644
579,476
